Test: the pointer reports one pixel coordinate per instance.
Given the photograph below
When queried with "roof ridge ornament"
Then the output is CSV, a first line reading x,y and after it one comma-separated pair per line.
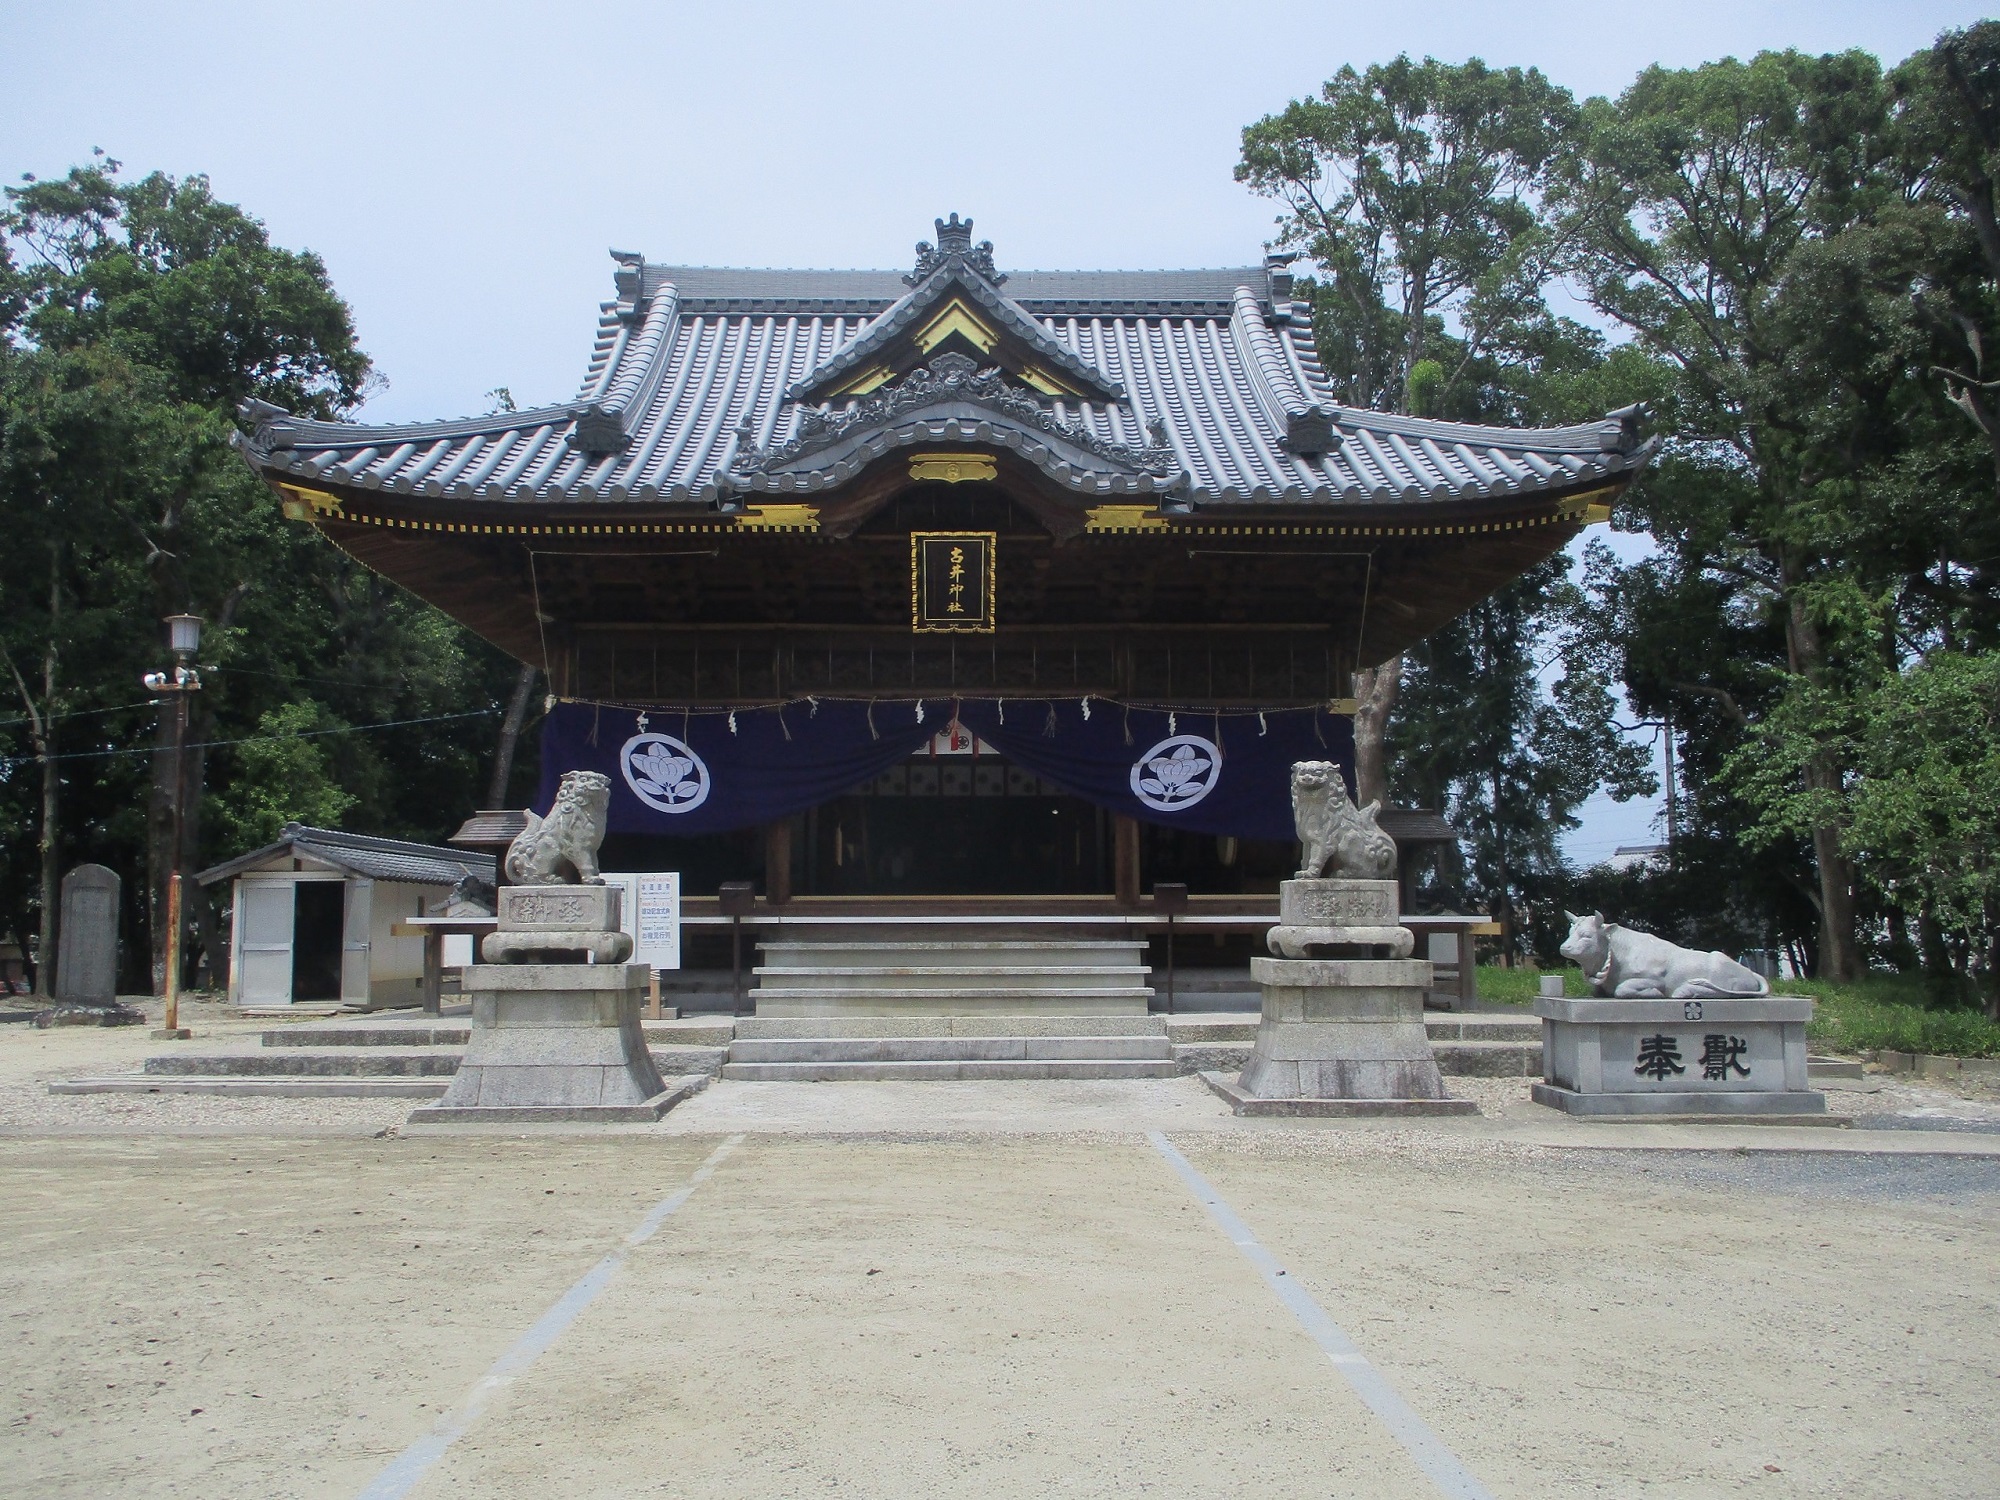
x,y
952,376
954,242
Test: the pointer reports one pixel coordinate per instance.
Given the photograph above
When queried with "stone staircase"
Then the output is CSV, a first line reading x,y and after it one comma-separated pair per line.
x,y
896,973
831,1048
413,1058
380,1057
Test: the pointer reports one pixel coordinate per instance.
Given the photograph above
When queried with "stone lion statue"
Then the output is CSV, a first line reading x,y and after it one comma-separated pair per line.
x,y
561,849
1638,966
1337,836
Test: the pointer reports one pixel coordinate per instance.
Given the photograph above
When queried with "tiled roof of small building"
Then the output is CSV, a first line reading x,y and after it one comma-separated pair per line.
x,y
362,854
691,397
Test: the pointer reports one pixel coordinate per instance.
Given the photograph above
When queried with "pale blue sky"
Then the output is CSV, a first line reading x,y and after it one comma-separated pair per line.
x,y
463,168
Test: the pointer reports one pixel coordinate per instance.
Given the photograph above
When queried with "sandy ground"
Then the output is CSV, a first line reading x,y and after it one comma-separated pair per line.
x,y
973,1289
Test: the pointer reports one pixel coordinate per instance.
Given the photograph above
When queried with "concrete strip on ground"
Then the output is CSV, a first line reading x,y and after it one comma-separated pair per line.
x,y
1438,1462
414,1462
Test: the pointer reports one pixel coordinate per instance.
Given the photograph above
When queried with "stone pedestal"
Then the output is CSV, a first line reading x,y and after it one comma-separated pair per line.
x,y
554,1042
1731,1058
1356,917
1340,1035
556,924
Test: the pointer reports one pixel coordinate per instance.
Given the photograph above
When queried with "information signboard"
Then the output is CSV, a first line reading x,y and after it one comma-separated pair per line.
x,y
650,913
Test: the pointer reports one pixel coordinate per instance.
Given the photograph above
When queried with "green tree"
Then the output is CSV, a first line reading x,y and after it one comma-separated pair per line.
x,y
1414,188
1479,734
1695,201
1918,808
141,315
281,778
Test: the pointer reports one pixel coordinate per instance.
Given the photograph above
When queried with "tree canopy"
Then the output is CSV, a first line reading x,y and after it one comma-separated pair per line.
x,y
139,315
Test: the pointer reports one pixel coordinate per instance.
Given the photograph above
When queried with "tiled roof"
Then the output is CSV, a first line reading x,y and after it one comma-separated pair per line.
x,y
687,399
378,859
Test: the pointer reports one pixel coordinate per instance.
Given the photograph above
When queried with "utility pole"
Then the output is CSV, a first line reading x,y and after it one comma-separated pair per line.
x,y
184,635
1673,807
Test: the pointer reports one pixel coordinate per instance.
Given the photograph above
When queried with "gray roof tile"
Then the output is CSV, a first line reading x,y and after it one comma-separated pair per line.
x,y
691,361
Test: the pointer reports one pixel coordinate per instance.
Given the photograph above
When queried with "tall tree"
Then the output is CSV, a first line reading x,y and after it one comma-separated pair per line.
x,y
140,315
1693,199
1415,188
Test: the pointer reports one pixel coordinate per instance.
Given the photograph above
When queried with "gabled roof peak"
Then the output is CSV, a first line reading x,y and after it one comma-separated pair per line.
x,y
956,301
954,242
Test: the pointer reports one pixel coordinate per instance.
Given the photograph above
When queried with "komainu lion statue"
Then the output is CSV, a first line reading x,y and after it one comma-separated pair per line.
x,y
561,849
1333,830
1637,966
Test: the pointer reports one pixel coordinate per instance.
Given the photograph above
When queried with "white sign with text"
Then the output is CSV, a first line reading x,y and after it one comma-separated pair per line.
x,y
650,913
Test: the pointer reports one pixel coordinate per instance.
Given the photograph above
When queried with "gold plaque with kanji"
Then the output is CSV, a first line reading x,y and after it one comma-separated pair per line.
x,y
951,580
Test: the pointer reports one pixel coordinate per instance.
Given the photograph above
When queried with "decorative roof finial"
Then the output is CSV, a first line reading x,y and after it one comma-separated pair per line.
x,y
954,238
954,243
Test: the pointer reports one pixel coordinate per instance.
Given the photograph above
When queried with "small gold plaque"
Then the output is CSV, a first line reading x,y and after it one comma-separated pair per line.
x,y
953,468
951,581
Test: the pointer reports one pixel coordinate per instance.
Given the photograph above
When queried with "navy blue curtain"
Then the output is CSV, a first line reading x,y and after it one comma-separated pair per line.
x,y
682,772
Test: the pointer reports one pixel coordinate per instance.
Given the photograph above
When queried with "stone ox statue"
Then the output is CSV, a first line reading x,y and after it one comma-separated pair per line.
x,y
561,849
1333,831
1637,966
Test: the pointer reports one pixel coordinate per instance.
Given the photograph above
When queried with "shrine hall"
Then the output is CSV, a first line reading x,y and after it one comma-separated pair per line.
x,y
952,591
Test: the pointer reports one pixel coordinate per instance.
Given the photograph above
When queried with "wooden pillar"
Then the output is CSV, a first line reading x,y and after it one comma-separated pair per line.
x,y
1125,859
778,862
433,972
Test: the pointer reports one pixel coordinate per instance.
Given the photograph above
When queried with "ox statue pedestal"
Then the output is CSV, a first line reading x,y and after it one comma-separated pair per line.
x,y
1728,1058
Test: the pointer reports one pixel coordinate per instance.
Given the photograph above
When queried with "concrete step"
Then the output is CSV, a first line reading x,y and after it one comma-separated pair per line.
x,y
1475,1059
425,1034
356,1064
882,1072
694,1031
969,945
1477,1027
1489,1059
932,1002
1526,1030
953,1049
991,975
300,1062
915,995
295,1087
770,1028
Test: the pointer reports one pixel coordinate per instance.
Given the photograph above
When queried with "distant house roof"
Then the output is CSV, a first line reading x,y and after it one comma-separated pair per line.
x,y
714,387
1415,825
360,854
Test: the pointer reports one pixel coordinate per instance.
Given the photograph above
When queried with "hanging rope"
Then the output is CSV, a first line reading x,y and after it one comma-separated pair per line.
x,y
873,732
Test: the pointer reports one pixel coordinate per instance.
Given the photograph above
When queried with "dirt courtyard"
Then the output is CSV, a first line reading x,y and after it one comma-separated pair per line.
x,y
986,1312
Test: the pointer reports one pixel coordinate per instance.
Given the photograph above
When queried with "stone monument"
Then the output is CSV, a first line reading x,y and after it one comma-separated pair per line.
x,y
86,988
1342,1030
555,1007
1672,1032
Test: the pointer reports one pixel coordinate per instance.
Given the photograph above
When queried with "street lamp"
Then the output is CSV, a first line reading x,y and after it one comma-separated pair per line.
x,y
184,636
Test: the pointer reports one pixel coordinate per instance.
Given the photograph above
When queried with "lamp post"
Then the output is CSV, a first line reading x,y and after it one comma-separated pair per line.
x,y
184,636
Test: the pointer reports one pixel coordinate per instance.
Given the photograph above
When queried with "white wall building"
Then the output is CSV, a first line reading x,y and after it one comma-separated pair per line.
x,y
312,916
